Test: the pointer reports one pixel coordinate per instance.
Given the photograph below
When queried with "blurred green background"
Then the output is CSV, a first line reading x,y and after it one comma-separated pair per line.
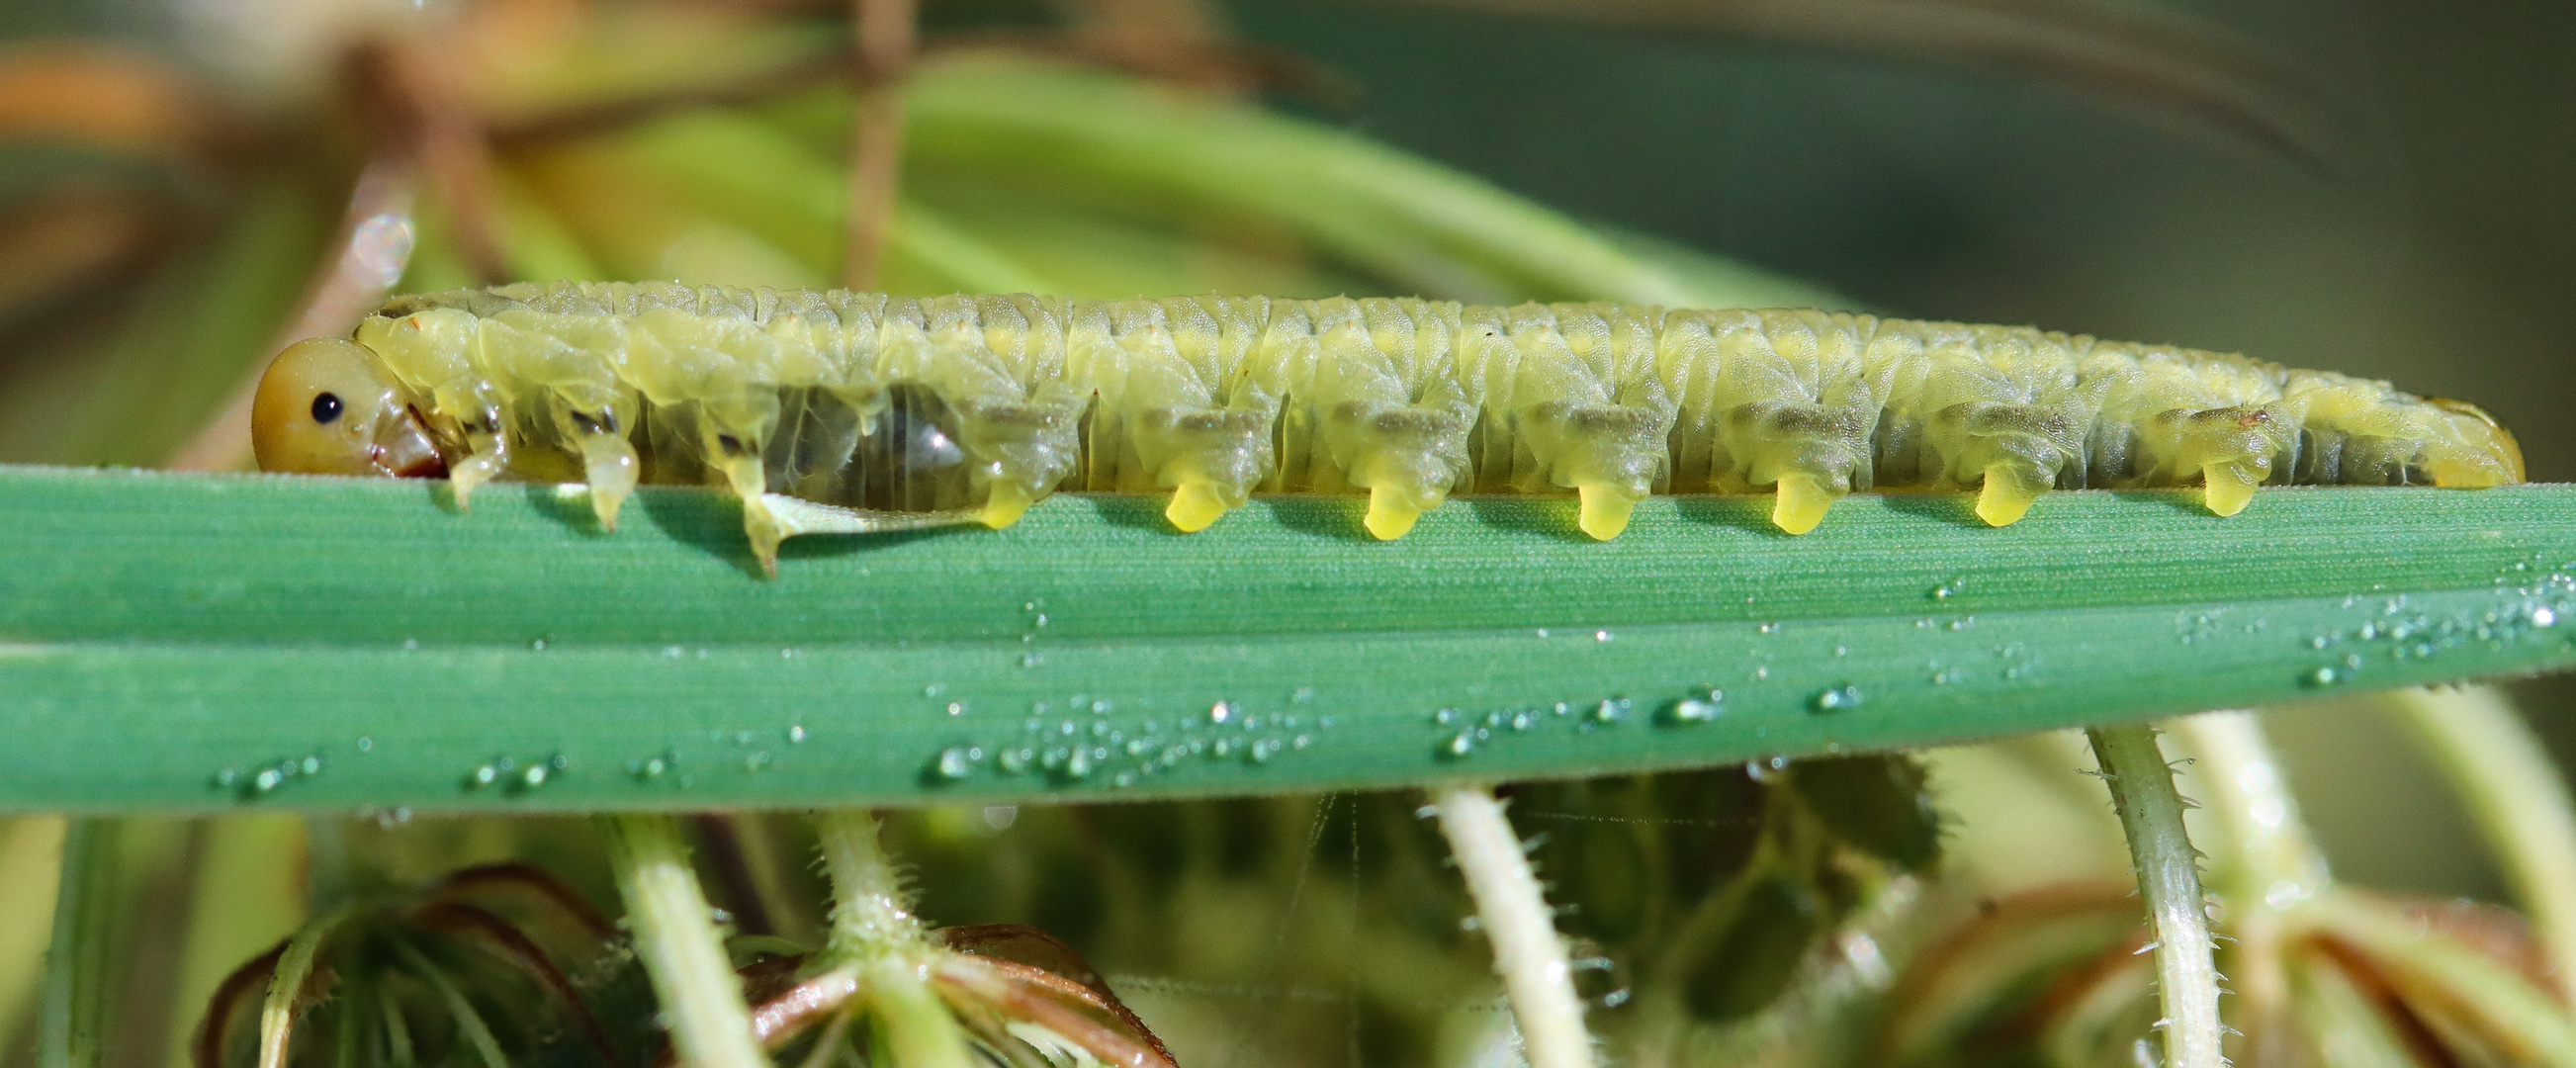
x,y
2425,234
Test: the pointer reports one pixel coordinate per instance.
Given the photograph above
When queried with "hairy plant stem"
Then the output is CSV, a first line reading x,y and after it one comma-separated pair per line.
x,y
1516,918
675,935
73,1007
2270,867
876,937
2142,789
2513,792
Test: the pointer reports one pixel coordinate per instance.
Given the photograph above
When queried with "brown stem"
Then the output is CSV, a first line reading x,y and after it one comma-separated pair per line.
x,y
1068,1008
529,876
887,41
722,848
419,97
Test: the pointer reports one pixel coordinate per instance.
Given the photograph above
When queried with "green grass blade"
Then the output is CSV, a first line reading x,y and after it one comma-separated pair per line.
x,y
187,642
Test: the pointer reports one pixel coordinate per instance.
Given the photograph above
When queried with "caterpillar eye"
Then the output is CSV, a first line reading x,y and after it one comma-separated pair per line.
x,y
328,406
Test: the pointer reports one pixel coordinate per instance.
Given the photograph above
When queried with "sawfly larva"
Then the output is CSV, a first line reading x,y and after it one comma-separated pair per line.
x,y
854,412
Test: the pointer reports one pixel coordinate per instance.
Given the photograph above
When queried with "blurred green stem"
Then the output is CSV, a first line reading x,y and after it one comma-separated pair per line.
x,y
2142,789
2433,970
1517,920
675,935
31,852
2270,866
2505,779
78,962
248,893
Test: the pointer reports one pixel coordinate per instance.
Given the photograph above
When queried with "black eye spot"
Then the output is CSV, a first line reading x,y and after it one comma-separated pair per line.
x,y
326,407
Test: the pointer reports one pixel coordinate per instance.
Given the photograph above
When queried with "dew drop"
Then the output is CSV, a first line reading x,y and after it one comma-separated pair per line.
x,y
2324,676
1221,712
1611,710
1459,745
2543,617
1695,710
1845,696
796,734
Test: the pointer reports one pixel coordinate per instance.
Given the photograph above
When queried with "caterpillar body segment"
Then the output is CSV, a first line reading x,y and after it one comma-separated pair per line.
x,y
838,411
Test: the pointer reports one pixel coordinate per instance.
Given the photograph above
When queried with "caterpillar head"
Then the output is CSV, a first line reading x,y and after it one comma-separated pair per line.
x,y
327,406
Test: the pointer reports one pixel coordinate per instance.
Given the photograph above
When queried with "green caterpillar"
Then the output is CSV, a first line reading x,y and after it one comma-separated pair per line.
x,y
839,411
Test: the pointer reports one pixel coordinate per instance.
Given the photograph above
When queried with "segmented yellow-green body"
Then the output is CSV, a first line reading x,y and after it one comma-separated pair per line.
x,y
986,403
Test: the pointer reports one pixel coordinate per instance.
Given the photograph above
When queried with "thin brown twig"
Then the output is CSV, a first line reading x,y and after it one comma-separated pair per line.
x,y
1255,65
1161,37
373,247
722,849
418,93
2144,55
522,873
1061,1005
888,38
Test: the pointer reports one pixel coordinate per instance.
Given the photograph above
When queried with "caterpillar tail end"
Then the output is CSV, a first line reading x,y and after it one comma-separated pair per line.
x,y
1195,506
1801,503
1605,511
1005,504
1391,513
2005,499
2230,487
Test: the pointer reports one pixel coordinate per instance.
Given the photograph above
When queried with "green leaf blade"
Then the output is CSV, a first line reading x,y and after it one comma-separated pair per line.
x,y
171,629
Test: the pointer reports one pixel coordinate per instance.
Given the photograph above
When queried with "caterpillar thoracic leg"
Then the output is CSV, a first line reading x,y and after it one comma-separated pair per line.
x,y
836,411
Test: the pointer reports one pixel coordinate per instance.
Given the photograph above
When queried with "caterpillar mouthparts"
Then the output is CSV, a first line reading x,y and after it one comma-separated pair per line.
x,y
832,411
